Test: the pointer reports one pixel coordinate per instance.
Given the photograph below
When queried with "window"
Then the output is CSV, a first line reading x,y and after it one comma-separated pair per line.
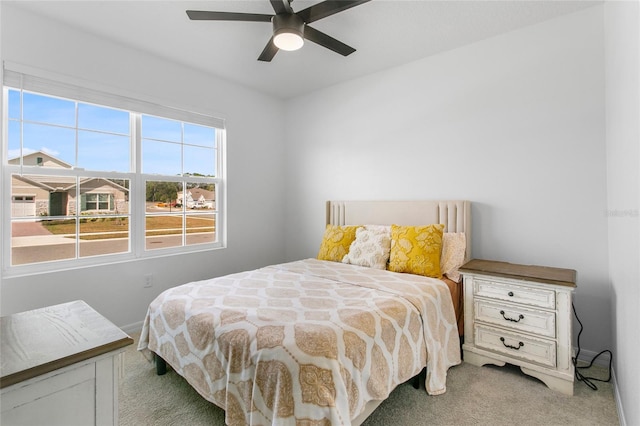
x,y
103,202
96,178
178,212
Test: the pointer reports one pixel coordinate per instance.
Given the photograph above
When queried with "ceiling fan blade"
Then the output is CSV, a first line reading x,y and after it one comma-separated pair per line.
x,y
329,42
327,8
269,51
281,6
201,15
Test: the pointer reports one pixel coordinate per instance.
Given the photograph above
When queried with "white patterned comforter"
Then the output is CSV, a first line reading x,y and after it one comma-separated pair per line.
x,y
304,343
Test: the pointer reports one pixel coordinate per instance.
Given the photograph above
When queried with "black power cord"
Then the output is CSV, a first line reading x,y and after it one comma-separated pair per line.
x,y
579,376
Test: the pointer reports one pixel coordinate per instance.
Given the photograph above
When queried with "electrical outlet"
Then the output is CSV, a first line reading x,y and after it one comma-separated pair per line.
x,y
148,280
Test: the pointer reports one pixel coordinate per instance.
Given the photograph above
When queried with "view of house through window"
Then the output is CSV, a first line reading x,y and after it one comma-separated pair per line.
x,y
179,214
81,187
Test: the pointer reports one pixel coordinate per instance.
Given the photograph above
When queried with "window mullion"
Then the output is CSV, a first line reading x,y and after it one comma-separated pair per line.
x,y
184,187
21,128
138,190
77,212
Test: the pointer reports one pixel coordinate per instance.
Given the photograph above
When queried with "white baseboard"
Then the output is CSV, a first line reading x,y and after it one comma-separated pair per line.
x,y
586,356
132,328
616,397
603,361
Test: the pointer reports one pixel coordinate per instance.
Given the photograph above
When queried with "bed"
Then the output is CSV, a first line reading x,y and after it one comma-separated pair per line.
x,y
317,341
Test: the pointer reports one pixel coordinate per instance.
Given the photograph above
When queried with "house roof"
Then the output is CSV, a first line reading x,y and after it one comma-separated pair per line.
x,y
196,193
55,183
31,160
63,183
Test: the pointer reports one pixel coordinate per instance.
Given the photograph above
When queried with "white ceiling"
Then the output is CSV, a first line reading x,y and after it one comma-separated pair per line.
x,y
385,33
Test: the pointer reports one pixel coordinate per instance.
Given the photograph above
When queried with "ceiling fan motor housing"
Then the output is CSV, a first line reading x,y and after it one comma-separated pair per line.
x,y
288,24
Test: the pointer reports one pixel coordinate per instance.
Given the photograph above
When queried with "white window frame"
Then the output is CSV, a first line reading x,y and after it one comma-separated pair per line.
x,y
33,80
97,201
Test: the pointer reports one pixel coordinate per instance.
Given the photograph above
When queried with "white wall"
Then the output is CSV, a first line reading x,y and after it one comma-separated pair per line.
x,y
622,60
254,167
514,123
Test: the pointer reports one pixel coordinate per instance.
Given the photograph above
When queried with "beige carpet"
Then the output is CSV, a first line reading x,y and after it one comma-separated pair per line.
x,y
475,396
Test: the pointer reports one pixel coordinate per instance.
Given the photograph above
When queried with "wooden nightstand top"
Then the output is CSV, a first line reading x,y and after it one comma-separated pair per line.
x,y
541,274
43,340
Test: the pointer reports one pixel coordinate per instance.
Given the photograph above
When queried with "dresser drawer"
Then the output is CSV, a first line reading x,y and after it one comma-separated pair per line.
x,y
515,293
516,317
540,351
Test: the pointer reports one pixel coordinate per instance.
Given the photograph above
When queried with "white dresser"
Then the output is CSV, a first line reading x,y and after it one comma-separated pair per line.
x,y
521,315
60,366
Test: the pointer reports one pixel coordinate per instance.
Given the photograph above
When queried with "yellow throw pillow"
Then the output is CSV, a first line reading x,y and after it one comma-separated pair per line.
x,y
336,241
416,249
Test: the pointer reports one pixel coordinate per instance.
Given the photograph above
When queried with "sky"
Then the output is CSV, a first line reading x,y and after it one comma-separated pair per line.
x,y
101,137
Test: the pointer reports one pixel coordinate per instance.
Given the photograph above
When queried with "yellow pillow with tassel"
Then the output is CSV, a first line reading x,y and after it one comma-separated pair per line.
x,y
416,249
336,242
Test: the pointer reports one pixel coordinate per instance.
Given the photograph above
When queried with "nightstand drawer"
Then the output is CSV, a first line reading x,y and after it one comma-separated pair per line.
x,y
539,351
514,293
516,317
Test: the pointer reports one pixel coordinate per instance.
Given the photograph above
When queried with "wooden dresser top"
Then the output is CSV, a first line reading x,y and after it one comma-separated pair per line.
x,y
43,340
541,274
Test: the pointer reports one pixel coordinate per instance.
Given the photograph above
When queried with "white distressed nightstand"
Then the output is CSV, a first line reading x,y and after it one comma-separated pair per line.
x,y
521,315
60,366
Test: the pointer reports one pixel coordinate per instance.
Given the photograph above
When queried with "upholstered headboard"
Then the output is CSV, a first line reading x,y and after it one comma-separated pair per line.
x,y
454,214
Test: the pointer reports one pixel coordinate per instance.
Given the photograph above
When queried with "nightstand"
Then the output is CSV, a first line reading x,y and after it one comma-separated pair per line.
x,y
61,365
521,315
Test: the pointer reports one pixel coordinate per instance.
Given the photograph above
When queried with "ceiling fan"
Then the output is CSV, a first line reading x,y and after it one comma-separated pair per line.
x,y
289,28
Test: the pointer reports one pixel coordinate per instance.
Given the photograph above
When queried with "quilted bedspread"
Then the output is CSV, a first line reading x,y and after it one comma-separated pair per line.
x,y
304,343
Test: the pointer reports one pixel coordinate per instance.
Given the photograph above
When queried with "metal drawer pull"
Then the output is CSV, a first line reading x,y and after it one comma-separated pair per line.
x,y
520,317
520,344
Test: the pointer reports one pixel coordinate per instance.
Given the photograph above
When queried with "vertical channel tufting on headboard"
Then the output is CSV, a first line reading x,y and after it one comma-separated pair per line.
x,y
443,215
454,214
335,213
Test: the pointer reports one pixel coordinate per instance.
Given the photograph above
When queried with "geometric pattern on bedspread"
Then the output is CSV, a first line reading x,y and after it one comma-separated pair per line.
x,y
304,343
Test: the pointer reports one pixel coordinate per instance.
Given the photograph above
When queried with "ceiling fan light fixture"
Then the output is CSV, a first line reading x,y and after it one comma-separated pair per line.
x,y
288,41
288,32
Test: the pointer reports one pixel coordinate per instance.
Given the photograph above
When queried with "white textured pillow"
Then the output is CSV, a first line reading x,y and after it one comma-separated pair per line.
x,y
370,248
380,228
454,245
